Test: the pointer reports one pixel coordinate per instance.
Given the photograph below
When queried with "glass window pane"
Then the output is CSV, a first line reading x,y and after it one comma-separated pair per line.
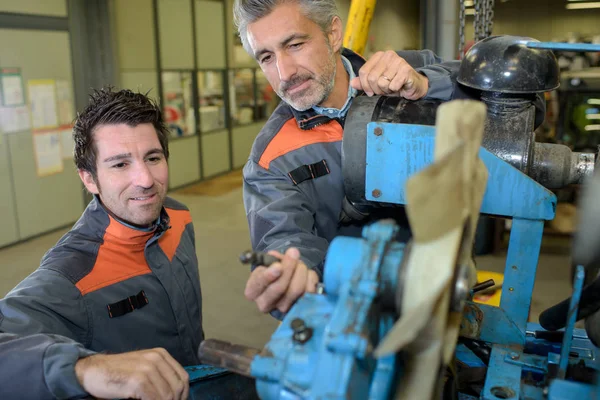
x,y
242,104
266,97
178,103
212,100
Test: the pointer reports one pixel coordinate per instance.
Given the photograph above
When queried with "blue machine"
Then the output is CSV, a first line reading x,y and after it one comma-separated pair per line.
x,y
323,348
337,331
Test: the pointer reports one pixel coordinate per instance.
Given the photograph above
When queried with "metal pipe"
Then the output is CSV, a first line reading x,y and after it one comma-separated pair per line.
x,y
236,358
572,318
509,128
357,27
556,166
580,47
508,134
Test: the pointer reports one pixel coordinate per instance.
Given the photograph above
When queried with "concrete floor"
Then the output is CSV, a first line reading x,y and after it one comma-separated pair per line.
x,y
221,234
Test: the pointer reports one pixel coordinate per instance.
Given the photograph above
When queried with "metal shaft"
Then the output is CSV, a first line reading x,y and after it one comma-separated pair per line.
x,y
257,258
357,27
572,318
236,358
556,166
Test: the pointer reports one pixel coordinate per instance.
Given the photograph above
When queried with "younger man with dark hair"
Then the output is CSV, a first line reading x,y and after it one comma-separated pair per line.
x,y
124,278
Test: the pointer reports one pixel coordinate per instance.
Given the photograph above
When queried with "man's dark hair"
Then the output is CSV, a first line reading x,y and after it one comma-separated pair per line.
x,y
109,107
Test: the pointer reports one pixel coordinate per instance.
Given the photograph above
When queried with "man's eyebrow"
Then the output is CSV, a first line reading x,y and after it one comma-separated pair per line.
x,y
284,42
124,156
116,157
154,151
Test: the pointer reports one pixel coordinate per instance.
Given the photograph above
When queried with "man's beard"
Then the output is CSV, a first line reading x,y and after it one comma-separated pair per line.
x,y
319,91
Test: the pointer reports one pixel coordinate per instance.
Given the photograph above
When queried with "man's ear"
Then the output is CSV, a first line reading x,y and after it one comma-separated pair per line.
x,y
336,34
88,181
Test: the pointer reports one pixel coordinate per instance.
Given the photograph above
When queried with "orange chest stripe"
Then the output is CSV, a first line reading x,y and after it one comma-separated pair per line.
x,y
119,260
291,138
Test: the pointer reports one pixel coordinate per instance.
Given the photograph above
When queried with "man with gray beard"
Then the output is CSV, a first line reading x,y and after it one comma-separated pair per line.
x,y
293,186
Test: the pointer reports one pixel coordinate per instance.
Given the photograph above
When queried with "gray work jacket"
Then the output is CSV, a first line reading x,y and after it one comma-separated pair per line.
x,y
105,287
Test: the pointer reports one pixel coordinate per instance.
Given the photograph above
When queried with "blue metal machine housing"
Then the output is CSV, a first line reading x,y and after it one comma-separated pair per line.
x,y
323,348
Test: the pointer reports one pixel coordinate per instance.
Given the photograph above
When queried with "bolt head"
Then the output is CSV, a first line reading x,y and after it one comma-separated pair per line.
x,y
298,324
376,193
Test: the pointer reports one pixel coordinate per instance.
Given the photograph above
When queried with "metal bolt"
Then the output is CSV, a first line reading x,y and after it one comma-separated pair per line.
x,y
302,333
514,356
511,289
483,285
378,131
514,267
320,288
376,193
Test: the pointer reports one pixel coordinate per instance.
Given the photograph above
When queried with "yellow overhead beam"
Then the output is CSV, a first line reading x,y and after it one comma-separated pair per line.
x,y
357,27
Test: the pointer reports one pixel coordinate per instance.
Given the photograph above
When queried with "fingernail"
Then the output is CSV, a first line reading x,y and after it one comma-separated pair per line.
x,y
275,271
293,253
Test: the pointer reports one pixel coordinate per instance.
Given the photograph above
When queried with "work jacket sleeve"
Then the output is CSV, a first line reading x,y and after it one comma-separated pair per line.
x,y
441,75
40,367
280,215
48,303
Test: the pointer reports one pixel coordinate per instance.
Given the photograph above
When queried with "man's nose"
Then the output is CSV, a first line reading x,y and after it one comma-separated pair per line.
x,y
143,176
286,67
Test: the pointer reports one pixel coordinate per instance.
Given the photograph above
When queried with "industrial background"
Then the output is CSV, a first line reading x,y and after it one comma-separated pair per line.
x,y
186,54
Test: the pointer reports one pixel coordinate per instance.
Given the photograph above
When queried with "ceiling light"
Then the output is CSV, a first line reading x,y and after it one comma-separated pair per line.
x,y
579,6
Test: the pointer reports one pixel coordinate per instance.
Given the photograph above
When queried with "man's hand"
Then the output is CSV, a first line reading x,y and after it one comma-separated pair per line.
x,y
145,374
386,73
282,283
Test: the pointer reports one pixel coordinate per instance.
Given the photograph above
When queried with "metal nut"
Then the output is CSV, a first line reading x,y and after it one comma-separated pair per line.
x,y
376,193
378,131
301,332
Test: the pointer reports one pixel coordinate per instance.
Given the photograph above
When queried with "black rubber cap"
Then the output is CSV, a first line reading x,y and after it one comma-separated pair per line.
x,y
505,64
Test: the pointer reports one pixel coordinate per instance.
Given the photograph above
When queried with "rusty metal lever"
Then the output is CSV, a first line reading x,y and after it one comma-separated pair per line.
x,y
235,358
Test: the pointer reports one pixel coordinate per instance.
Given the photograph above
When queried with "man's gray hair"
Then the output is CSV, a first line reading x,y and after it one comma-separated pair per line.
x,y
245,12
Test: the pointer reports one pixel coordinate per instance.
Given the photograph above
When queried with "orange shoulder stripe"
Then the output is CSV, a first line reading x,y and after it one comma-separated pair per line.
x,y
291,138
